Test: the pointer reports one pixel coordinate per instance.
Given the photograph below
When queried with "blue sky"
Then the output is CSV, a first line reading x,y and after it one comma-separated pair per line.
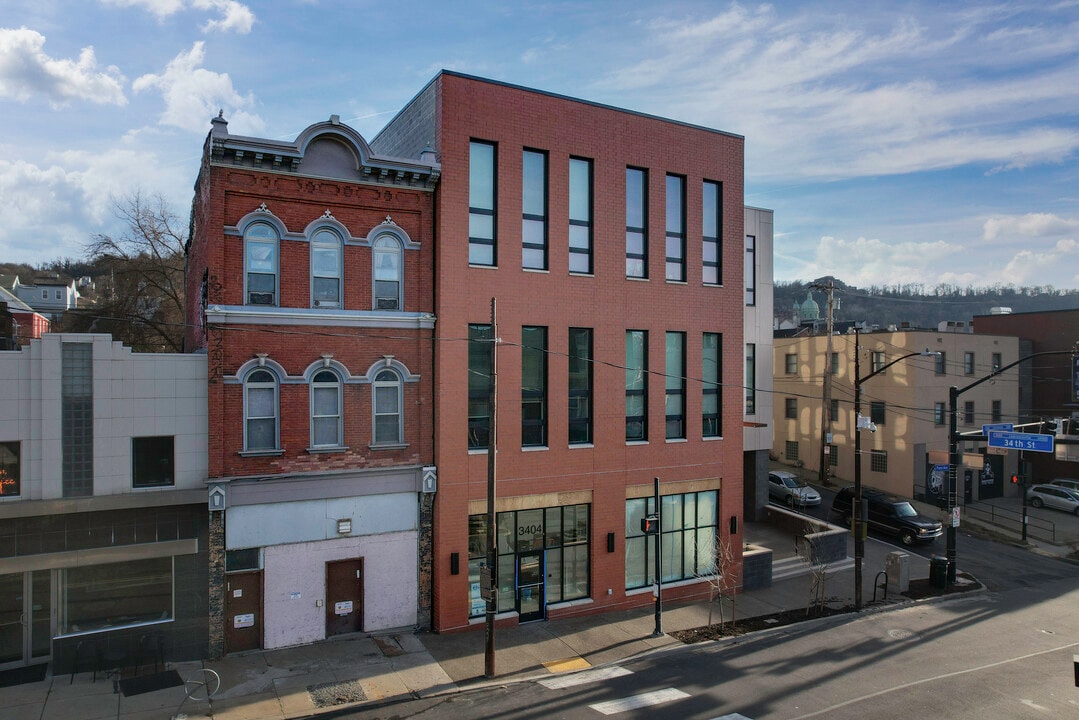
x,y
911,142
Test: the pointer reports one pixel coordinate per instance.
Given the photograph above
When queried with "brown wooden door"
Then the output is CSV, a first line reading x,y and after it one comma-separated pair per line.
x,y
344,596
243,611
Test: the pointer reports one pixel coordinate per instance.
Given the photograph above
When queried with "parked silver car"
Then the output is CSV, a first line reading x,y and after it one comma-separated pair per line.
x,y
1054,496
788,489
1065,483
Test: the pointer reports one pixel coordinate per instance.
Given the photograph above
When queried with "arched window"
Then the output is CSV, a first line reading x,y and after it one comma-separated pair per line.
x,y
260,259
386,262
260,411
326,268
387,408
326,410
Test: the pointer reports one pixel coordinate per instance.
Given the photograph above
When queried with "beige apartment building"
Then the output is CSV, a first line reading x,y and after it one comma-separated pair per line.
x,y
905,409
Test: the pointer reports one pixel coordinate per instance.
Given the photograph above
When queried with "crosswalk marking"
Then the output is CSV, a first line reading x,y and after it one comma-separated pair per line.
x,y
639,701
564,681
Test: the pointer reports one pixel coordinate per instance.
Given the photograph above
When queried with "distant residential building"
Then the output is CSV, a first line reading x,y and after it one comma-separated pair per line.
x,y
907,404
1047,383
103,525
309,287
49,295
21,322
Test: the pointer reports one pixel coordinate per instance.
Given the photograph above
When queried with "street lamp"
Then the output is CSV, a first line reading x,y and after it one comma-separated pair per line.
x,y
857,511
953,447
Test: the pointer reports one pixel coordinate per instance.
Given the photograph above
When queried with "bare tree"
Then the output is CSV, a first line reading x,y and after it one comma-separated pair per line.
x,y
807,548
140,278
720,575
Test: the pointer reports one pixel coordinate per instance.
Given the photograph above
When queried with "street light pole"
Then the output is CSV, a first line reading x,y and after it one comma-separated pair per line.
x,y
953,448
857,509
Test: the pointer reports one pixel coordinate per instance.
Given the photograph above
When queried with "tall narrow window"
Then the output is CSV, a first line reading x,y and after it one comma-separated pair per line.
x,y
387,408
938,413
326,410
580,386
77,418
636,385
387,265
533,386
876,361
712,351
676,228
790,409
941,364
878,411
676,385
751,270
260,411
479,386
712,223
751,379
260,257
482,244
636,223
833,410
10,469
326,269
835,363
534,210
968,412
997,411
996,361
968,363
580,215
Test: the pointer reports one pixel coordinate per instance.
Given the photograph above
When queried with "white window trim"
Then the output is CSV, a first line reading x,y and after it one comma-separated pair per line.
x,y
276,449
400,251
398,385
338,245
337,385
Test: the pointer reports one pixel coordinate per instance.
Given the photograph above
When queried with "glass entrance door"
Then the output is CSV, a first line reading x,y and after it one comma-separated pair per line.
x,y
25,618
530,600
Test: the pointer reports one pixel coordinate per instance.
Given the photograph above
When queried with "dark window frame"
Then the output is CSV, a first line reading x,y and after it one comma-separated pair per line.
x,y
475,241
10,468
480,342
637,388
675,388
715,215
533,217
587,222
150,461
637,231
675,233
534,424
580,385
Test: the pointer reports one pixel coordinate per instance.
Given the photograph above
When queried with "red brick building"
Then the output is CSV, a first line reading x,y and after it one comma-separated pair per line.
x,y
1046,388
612,243
309,281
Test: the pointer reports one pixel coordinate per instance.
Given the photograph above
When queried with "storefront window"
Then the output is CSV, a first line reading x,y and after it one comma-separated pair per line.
x,y
560,533
97,597
688,524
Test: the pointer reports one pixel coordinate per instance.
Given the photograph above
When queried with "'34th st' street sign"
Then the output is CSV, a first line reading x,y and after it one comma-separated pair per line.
x,y
1021,441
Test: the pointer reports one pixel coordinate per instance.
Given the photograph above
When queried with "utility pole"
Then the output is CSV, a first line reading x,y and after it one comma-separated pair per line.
x,y
826,402
492,535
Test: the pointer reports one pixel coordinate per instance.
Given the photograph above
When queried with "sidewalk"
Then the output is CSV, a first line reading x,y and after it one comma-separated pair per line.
x,y
292,682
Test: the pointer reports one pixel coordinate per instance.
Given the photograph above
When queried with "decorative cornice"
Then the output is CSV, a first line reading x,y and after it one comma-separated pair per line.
x,y
261,315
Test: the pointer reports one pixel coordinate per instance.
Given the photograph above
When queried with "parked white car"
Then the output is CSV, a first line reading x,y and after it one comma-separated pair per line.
x,y
1065,483
790,490
1054,496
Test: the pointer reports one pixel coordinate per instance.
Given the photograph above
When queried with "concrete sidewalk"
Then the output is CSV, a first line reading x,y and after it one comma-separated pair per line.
x,y
293,682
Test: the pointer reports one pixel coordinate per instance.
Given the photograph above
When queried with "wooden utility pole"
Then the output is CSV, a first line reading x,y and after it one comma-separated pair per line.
x,y
826,402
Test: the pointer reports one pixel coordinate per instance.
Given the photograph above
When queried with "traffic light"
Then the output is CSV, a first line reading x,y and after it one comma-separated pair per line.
x,y
1015,479
650,524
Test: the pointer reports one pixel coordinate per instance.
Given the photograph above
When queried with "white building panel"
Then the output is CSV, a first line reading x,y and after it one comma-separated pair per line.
x,y
314,520
294,590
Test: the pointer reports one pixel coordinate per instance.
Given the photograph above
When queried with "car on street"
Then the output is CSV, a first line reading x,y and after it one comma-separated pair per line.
x,y
792,491
1053,496
1066,483
889,514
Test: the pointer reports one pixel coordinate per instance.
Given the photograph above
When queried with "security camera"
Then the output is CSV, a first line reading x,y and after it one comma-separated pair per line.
x,y
872,427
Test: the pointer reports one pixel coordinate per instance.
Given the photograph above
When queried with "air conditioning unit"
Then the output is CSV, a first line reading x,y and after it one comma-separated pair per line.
x,y
259,298
385,303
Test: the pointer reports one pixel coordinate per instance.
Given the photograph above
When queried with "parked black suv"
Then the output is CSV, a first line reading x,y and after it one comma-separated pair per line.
x,y
890,514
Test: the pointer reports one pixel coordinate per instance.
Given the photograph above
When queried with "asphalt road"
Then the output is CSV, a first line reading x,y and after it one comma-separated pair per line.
x,y
1004,653
990,655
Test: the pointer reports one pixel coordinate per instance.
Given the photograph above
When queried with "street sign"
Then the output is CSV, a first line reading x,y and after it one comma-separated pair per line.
x,y
1021,441
955,516
998,427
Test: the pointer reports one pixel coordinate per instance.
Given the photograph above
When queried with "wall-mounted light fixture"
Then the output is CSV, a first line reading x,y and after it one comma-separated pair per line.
x,y
344,526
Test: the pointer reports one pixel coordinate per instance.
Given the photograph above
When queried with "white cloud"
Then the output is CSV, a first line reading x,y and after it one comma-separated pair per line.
x,y
852,93
1031,267
193,95
1029,225
234,15
26,71
51,210
865,262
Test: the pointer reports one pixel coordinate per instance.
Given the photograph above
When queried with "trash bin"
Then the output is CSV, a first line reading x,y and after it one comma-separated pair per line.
x,y
938,572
